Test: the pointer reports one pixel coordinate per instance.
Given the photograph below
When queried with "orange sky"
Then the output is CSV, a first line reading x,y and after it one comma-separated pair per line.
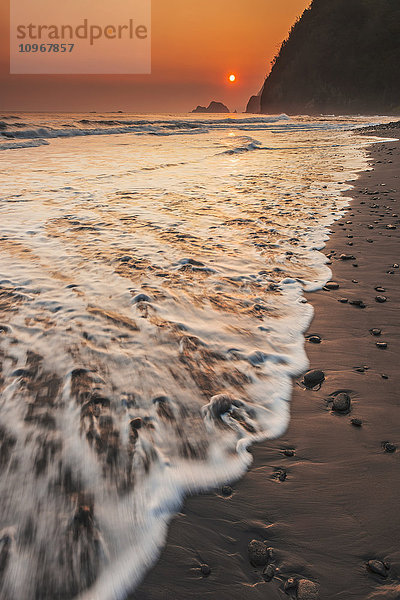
x,y
195,45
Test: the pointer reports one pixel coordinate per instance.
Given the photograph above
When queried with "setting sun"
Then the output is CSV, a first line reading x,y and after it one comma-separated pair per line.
x,y
232,78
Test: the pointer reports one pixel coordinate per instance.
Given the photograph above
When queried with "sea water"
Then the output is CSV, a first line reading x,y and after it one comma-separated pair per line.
x,y
152,318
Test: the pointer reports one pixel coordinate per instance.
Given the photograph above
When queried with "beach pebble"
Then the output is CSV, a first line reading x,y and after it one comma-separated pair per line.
x,y
258,553
331,285
380,289
341,402
347,257
268,573
375,331
343,300
313,378
389,447
290,584
381,345
358,303
222,403
314,339
307,590
141,298
380,299
356,422
227,490
205,570
136,423
377,567
289,452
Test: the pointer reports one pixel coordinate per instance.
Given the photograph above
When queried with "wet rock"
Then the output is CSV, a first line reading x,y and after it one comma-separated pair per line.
x,y
377,567
268,573
141,298
331,285
84,517
375,331
191,261
347,257
358,303
343,300
258,553
313,378
227,491
314,339
205,570
381,345
164,408
356,422
4,329
380,299
281,475
307,590
384,376
389,447
290,584
341,402
136,423
222,403
289,452
380,289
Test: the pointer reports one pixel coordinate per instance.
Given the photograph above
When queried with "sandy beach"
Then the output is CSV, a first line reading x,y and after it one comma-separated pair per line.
x,y
324,497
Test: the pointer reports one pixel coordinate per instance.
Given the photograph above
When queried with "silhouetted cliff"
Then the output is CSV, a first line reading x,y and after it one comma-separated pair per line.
x,y
342,56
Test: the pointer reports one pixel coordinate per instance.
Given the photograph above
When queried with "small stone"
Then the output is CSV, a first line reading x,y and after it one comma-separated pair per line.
x,y
377,567
389,447
141,298
227,490
380,289
341,402
380,299
384,376
205,570
343,300
136,423
347,257
289,452
268,573
331,285
258,553
381,345
314,339
356,422
307,590
375,331
290,584
313,378
358,303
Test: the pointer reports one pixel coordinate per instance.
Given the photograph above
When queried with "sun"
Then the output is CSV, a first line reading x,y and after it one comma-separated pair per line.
x,y
232,78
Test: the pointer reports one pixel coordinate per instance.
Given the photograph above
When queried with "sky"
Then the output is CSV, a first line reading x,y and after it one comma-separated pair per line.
x,y
195,47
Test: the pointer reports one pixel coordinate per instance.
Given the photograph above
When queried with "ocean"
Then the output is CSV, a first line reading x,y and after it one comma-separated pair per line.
x,y
152,317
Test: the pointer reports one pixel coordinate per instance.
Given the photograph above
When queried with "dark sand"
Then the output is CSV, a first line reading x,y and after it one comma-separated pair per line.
x,y
339,505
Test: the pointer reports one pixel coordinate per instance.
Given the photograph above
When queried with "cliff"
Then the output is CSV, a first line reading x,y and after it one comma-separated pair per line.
x,y
342,56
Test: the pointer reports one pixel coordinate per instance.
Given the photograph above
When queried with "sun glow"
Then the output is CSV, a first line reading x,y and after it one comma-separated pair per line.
x,y
232,78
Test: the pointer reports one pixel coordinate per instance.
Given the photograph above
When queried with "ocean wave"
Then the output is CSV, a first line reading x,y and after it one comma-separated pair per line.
x,y
23,144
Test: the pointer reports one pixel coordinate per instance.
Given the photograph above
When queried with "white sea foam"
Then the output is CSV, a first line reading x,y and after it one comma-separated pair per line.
x,y
160,279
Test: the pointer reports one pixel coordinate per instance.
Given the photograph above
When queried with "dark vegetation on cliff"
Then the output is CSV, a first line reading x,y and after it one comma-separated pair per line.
x,y
342,56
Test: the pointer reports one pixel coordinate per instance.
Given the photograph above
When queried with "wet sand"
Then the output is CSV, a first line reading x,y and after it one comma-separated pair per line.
x,y
333,506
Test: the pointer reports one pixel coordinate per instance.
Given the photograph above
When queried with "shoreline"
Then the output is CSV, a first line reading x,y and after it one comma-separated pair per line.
x,y
331,507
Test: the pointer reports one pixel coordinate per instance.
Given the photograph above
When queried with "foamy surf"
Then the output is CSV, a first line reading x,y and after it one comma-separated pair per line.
x,y
151,321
